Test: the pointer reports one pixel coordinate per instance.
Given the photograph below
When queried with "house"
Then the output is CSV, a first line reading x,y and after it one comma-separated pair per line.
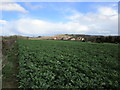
x,y
79,38
59,38
72,39
55,38
83,39
64,38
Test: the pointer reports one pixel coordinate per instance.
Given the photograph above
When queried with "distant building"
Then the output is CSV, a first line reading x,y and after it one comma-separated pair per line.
x,y
59,38
55,38
64,38
83,39
72,38
79,38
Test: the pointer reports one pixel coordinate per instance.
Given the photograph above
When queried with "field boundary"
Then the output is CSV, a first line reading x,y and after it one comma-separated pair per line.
x,y
9,79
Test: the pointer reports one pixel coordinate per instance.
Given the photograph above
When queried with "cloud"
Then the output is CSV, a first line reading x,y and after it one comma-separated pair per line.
x,y
3,22
107,11
33,7
7,0
114,5
104,21
40,27
78,23
11,6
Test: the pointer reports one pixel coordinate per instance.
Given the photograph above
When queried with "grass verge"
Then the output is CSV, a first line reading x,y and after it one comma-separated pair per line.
x,y
10,70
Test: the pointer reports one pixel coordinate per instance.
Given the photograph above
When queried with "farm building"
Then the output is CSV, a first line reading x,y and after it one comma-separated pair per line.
x,y
72,39
55,38
80,38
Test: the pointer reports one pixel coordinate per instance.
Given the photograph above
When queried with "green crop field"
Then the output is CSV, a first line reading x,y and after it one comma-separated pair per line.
x,y
67,64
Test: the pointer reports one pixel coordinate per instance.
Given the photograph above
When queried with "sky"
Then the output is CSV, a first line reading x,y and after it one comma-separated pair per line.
x,y
51,18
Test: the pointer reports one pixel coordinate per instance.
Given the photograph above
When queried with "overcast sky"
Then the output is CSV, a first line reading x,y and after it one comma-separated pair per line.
x,y
51,18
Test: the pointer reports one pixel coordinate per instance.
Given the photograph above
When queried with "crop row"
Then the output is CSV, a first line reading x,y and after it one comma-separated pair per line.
x,y
67,64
